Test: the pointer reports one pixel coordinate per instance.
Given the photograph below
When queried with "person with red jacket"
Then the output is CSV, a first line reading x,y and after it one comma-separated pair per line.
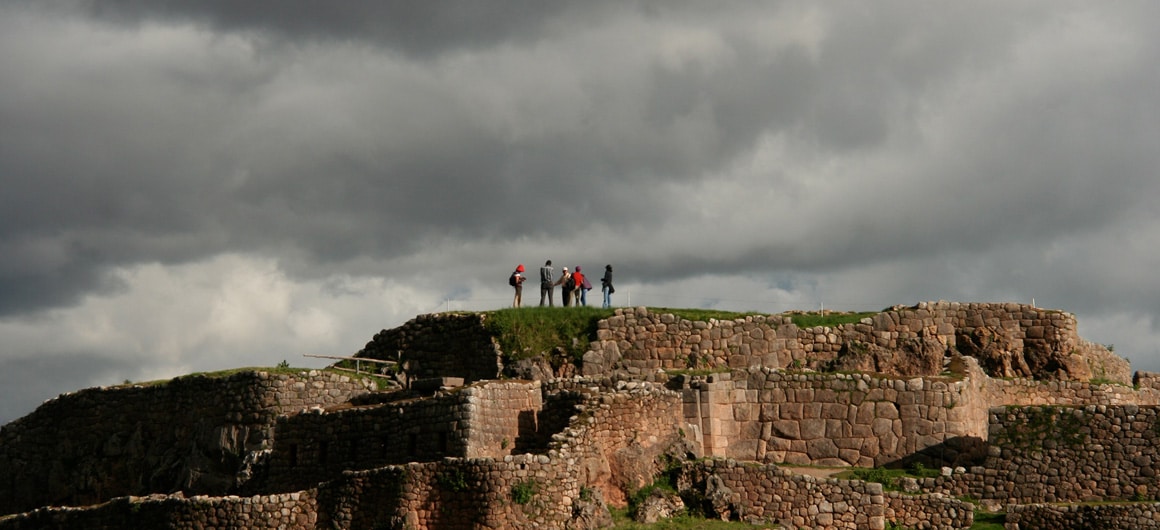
x,y
582,287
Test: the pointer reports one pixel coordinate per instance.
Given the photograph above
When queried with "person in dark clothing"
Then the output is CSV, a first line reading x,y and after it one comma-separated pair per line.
x,y
566,282
606,286
546,286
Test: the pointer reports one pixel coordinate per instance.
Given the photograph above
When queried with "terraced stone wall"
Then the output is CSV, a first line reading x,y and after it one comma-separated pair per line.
x,y
767,493
292,511
487,419
193,434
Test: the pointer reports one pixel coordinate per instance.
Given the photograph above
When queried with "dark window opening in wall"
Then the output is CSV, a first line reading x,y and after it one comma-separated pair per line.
x,y
528,423
442,443
323,448
412,444
384,448
293,455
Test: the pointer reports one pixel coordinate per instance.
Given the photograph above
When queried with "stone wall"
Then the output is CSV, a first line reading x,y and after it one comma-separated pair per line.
x,y
524,491
767,493
931,510
870,420
1073,454
1145,391
1137,516
292,511
503,419
1063,454
835,419
1010,340
440,345
193,434
618,434
487,419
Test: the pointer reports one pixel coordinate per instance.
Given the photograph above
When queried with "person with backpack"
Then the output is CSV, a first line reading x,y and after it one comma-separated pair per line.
x,y
546,286
566,284
606,286
517,280
582,288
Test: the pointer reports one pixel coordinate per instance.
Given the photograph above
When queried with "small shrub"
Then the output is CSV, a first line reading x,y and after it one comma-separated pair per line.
x,y
880,475
454,480
523,492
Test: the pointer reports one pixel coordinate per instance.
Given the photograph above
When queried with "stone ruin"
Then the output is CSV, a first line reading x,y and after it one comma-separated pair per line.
x,y
1018,412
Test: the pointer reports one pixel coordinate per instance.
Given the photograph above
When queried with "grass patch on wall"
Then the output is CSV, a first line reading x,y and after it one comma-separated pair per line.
x,y
621,520
829,319
989,521
888,477
530,331
703,315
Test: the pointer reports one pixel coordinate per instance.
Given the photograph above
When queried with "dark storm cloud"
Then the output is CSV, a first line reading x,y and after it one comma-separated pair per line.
x,y
200,166
420,28
336,139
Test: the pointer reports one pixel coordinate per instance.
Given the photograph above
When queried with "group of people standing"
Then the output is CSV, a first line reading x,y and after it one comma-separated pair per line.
x,y
574,286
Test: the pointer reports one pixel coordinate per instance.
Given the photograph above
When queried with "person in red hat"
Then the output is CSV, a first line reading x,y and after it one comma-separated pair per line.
x,y
517,281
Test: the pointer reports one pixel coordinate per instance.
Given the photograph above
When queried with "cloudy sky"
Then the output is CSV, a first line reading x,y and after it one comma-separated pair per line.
x,y
195,185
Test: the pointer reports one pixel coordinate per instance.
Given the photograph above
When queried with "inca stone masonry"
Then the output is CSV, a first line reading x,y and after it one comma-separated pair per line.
x,y
1021,414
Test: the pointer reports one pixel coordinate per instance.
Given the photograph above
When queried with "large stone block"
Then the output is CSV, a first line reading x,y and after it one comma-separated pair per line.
x,y
786,429
812,428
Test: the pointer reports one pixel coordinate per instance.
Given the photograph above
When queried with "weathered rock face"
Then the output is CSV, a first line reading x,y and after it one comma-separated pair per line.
x,y
917,357
659,505
556,364
1000,355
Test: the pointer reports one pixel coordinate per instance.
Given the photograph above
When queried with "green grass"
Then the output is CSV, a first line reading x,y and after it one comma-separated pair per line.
x,y
989,521
622,521
702,315
530,331
888,477
809,320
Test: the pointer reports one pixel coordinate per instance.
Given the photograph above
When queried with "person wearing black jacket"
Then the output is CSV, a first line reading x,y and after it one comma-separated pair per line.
x,y
546,286
606,286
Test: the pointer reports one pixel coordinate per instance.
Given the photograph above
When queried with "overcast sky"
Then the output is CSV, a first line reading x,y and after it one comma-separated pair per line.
x,y
196,185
